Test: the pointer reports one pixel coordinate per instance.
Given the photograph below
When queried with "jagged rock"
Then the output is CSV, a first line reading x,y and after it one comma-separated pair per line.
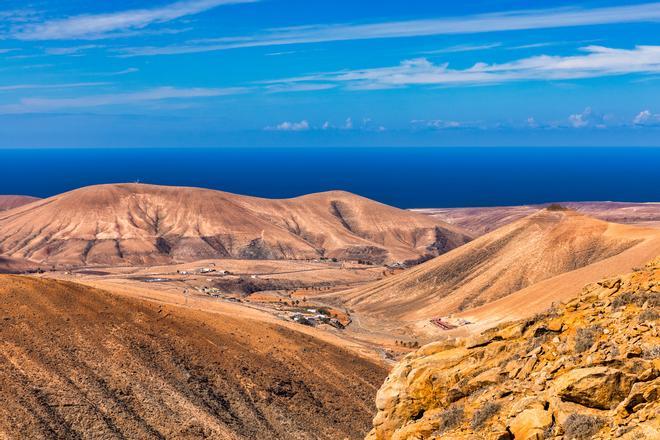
x,y
531,423
597,387
641,394
532,382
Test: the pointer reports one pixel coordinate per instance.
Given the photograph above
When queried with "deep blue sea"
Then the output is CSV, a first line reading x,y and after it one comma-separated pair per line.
x,y
404,177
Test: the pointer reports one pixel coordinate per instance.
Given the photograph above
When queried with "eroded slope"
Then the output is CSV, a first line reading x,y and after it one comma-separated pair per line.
x,y
539,247
76,362
147,224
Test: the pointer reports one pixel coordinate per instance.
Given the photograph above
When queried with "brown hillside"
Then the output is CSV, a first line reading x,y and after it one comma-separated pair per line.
x,y
539,247
76,362
146,224
10,202
480,221
589,369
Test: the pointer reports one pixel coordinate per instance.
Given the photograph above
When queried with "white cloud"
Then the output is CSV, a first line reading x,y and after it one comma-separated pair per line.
x,y
95,26
595,61
32,105
580,120
13,87
348,124
645,117
366,125
122,72
589,118
474,24
291,126
464,48
435,124
298,87
73,50
531,122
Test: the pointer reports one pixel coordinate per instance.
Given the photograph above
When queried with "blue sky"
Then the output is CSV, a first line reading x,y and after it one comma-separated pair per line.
x,y
341,73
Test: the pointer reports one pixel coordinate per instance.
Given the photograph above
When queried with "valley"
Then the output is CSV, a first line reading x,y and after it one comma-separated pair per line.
x,y
286,298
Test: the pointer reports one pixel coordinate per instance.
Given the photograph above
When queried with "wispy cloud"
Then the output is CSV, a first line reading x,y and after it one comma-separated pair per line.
x,y
93,26
464,48
298,87
13,87
474,24
122,72
596,61
72,50
32,105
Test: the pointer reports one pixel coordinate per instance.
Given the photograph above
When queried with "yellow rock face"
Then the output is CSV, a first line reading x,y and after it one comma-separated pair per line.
x,y
588,369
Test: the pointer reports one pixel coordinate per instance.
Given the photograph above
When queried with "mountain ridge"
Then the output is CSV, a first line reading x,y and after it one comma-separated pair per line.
x,y
145,224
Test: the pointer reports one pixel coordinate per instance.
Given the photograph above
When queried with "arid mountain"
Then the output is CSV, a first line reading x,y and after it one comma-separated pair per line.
x,y
77,362
10,202
480,221
146,224
588,369
543,246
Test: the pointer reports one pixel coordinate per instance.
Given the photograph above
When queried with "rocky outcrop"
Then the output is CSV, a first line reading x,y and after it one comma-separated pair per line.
x,y
589,368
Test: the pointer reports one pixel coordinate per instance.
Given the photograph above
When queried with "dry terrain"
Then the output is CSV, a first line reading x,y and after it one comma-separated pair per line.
x,y
77,362
480,221
9,202
133,224
272,291
588,369
509,273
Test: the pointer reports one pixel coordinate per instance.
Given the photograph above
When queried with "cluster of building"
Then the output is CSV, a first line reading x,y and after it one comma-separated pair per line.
x,y
202,271
312,318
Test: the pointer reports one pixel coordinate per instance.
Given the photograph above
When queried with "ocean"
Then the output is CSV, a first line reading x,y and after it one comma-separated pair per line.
x,y
403,177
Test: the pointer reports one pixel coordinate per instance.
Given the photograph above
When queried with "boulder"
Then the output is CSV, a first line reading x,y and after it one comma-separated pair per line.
x,y
595,387
531,424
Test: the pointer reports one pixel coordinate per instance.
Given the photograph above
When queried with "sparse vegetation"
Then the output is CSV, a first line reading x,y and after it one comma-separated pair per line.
x,y
556,207
551,312
652,353
585,338
638,299
450,418
582,426
483,414
649,315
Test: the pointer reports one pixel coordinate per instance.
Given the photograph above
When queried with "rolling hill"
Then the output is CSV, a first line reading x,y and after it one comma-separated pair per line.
x,y
147,224
79,362
556,250
480,221
10,202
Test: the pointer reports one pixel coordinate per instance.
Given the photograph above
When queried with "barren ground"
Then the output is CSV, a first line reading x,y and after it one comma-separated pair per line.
x,y
77,362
